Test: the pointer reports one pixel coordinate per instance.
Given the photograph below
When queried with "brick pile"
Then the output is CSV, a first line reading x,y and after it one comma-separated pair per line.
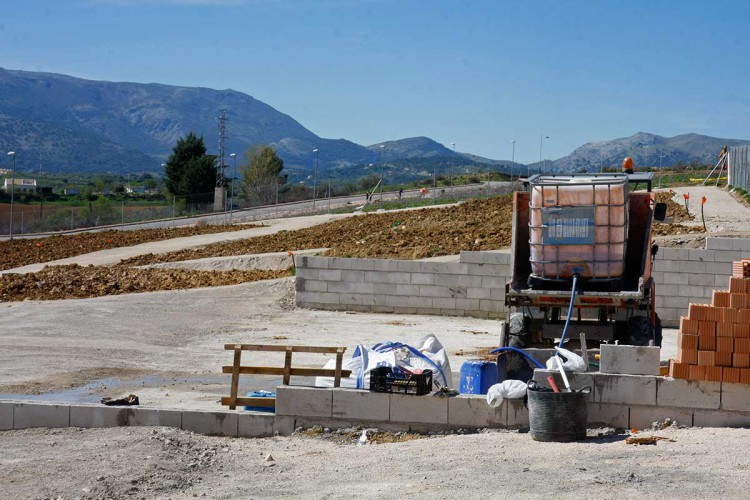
x,y
714,339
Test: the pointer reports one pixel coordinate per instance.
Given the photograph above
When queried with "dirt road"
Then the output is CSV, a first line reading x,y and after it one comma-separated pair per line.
x,y
167,463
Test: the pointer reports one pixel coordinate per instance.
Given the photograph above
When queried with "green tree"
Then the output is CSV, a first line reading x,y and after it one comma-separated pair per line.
x,y
189,170
261,175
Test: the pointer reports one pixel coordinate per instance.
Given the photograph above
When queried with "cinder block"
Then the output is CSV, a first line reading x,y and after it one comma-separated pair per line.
x,y
353,404
153,417
306,273
310,261
283,425
688,393
304,401
676,254
27,415
408,266
727,256
210,423
255,425
422,279
357,264
701,279
701,255
329,274
643,417
387,265
624,389
518,414
350,299
742,244
631,360
434,291
473,411
609,415
672,290
478,293
671,279
719,243
6,416
418,409
90,416
735,397
494,282
708,418
309,285
692,267
352,276
491,305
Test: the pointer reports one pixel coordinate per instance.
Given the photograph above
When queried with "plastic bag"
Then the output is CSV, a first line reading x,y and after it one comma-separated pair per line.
x,y
426,354
572,362
508,389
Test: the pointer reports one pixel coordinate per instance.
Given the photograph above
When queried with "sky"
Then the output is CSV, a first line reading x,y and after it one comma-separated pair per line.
x,y
477,73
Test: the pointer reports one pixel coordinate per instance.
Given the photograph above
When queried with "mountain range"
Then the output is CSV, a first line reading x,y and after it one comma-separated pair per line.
x,y
67,124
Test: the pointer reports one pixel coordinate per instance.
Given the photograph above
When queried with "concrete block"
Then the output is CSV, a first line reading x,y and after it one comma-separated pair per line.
x,y
303,401
329,274
309,261
406,301
90,416
608,415
422,279
27,415
735,397
283,425
671,290
407,290
452,280
353,404
701,255
386,265
721,268
478,293
6,416
468,257
492,305
309,285
352,276
443,303
701,279
628,359
255,425
721,281
667,264
742,244
710,418
473,411
358,264
671,278
408,266
494,281
642,417
727,256
350,299
719,243
210,423
344,287
387,277
518,414
672,301
153,417
307,273
418,409
689,266
497,294
434,291
688,393
624,389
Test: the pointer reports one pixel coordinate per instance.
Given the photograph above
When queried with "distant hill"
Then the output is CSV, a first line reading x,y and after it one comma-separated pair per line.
x,y
644,149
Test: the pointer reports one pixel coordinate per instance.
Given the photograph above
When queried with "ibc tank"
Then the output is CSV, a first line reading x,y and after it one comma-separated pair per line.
x,y
578,225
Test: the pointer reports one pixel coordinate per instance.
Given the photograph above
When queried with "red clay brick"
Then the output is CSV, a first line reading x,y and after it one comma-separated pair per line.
x,y
714,373
678,370
730,375
744,317
706,358
723,358
742,345
689,326
724,344
687,341
744,376
741,331
738,300
720,298
738,285
714,313
724,329
696,372
706,342
687,356
731,315
706,328
741,360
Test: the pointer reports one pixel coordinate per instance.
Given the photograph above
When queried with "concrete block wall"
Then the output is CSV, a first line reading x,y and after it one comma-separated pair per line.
x,y
636,401
686,275
476,285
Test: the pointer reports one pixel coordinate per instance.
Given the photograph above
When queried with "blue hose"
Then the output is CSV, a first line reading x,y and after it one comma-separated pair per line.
x,y
570,310
519,351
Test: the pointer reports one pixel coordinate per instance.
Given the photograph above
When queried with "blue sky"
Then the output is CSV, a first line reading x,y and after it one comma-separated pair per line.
x,y
477,73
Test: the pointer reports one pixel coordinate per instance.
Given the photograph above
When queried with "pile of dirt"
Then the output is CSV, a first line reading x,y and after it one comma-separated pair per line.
x,y
24,251
410,234
76,282
678,213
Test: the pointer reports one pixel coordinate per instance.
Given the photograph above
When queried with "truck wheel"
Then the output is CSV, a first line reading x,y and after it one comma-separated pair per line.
x,y
640,331
657,331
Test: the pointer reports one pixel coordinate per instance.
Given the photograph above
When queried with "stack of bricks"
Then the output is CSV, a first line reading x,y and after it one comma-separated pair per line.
x,y
714,340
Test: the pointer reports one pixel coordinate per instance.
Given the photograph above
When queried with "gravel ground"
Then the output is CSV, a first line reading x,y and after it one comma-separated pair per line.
x,y
168,463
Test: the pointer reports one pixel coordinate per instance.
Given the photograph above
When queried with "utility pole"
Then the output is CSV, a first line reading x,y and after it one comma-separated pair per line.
x,y
220,192
12,154
382,170
315,175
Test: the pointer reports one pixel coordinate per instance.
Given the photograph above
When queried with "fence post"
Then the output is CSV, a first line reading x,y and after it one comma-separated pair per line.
x,y
122,214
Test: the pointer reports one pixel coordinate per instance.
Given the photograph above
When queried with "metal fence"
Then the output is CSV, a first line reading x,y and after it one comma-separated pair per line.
x,y
739,167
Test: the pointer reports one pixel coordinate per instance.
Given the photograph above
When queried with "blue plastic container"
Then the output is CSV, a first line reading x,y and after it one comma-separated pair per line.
x,y
261,394
477,377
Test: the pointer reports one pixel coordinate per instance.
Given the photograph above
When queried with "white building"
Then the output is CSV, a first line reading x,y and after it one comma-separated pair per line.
x,y
21,185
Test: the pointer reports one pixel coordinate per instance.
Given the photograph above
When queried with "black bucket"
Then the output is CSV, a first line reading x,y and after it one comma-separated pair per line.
x,y
557,416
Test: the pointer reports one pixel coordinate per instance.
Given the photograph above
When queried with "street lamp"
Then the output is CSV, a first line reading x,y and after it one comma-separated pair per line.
x,y
382,170
231,202
513,160
315,175
661,155
12,190
541,138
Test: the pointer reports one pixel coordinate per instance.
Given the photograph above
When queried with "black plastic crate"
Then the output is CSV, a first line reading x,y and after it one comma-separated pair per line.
x,y
382,379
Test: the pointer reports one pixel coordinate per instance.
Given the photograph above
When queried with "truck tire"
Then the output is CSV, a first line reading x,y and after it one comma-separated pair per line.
x,y
641,331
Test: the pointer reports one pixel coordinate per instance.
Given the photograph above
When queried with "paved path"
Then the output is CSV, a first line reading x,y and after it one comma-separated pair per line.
x,y
722,211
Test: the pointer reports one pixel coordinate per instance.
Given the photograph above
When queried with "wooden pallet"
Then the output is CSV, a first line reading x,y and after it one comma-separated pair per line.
x,y
287,371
